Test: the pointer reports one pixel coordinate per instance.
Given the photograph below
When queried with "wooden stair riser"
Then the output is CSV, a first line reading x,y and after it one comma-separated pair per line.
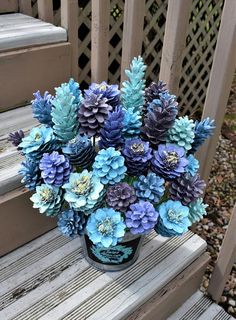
x,y
25,71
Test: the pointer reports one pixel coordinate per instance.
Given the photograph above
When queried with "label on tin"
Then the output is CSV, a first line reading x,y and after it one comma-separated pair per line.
x,y
121,253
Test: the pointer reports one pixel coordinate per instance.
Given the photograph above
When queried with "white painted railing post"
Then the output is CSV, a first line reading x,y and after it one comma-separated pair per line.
x,y
69,20
177,21
132,32
225,261
220,83
100,40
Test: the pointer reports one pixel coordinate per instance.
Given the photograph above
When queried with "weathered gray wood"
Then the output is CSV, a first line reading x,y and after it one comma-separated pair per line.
x,y
221,77
132,33
45,10
25,7
100,40
225,260
20,223
69,20
34,64
80,288
174,42
174,294
200,307
15,34
8,6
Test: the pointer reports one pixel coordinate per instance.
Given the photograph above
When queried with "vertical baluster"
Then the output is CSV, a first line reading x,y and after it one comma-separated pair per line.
x,y
132,32
221,77
69,20
45,10
25,7
177,20
100,40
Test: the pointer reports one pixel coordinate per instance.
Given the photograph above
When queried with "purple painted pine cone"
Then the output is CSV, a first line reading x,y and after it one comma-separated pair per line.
x,y
55,168
141,218
120,196
187,188
92,114
137,155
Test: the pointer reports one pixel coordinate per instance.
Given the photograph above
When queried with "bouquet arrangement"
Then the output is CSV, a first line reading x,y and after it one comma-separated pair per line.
x,y
110,161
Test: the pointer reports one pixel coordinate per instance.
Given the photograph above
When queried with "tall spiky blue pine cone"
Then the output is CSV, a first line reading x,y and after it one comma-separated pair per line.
x,y
42,107
75,90
202,131
64,114
71,223
186,188
132,124
92,114
111,133
80,151
159,119
132,91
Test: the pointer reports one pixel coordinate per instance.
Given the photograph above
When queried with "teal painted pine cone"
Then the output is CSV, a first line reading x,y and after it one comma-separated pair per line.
x,y
109,166
197,209
182,132
64,114
48,199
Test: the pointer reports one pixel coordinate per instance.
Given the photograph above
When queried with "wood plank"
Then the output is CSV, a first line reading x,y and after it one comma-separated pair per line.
x,y
132,33
31,248
9,6
225,260
25,7
30,35
211,312
100,40
45,10
131,297
176,27
48,295
20,223
37,76
221,77
69,21
172,296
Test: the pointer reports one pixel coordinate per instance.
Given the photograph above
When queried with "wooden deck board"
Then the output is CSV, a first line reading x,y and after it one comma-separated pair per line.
x,y
18,31
61,285
200,307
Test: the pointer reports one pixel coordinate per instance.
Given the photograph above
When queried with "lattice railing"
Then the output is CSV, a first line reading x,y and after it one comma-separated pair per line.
x,y
198,54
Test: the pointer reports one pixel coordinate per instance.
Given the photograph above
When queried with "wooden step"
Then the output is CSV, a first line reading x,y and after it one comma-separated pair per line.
x,y
11,121
200,307
49,278
18,31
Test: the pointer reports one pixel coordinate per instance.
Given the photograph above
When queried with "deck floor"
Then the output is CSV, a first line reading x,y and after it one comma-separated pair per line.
x,y
48,278
200,307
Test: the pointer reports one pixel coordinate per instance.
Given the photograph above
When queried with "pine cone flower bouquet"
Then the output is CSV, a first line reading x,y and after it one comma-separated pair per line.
x,y
114,164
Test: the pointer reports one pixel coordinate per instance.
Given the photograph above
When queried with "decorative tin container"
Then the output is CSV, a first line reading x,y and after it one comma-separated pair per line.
x,y
115,258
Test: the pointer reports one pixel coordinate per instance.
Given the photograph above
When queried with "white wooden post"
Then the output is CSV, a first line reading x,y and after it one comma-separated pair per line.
x,y
177,21
25,7
132,32
45,10
220,83
225,261
69,20
100,40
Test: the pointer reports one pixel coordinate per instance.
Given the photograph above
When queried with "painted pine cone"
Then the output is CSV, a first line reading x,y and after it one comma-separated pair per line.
x,y
120,196
187,188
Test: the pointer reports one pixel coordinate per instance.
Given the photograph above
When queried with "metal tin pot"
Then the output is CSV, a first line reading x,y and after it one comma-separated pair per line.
x,y
115,258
